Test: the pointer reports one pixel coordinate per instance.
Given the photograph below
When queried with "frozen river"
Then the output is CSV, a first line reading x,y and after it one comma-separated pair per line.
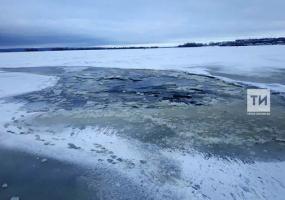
x,y
264,64
142,124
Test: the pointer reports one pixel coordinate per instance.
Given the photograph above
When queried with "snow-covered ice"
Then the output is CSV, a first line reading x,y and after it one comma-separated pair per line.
x,y
19,83
250,61
235,60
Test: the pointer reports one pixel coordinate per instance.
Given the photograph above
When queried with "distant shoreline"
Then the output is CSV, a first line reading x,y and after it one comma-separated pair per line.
x,y
235,43
240,42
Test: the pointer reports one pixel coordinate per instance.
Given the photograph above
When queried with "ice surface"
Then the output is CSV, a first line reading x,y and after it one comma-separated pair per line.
x,y
182,176
250,61
178,174
19,83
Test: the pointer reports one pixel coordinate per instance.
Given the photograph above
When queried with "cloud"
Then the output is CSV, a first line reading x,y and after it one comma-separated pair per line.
x,y
94,22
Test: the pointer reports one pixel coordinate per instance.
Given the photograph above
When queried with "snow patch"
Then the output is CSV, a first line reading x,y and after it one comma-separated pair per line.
x,y
14,83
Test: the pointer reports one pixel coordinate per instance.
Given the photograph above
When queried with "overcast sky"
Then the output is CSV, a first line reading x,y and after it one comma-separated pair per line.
x,y
94,22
